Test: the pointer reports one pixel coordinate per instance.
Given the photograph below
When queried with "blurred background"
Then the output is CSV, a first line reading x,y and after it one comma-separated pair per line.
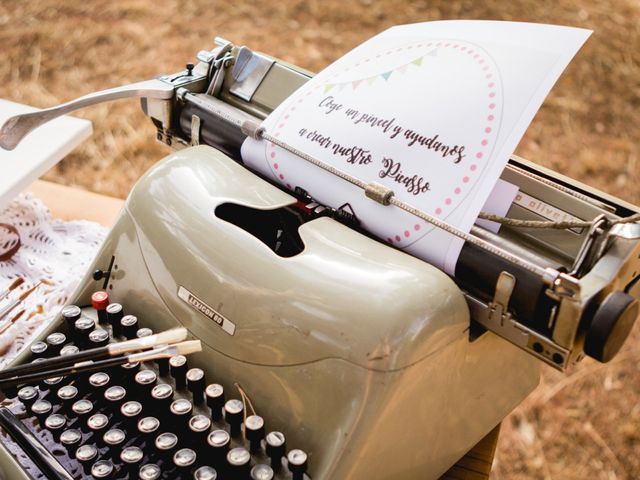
x,y
585,425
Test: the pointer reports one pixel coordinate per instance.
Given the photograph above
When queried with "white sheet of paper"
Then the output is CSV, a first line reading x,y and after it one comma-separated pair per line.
x,y
432,110
38,151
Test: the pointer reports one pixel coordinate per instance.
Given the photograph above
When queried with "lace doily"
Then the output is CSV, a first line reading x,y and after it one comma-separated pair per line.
x,y
52,254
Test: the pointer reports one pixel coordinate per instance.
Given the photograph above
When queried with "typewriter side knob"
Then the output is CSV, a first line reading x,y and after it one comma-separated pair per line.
x,y
611,325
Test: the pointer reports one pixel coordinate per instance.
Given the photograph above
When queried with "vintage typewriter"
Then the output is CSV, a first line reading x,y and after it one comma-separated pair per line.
x,y
294,306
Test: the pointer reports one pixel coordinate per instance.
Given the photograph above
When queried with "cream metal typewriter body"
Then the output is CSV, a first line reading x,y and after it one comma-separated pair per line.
x,y
377,364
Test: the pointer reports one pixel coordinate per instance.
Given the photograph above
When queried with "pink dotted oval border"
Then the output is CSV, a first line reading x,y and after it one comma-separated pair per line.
x,y
478,56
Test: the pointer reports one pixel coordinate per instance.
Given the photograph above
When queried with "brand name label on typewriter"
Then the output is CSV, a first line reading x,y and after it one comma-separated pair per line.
x,y
190,299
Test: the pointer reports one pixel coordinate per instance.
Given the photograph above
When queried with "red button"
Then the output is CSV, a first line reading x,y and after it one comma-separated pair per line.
x,y
100,300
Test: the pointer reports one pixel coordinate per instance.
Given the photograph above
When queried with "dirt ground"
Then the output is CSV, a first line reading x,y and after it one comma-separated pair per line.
x,y
585,425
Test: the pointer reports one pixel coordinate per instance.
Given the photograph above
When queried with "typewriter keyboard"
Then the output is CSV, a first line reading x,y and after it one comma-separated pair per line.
x,y
157,420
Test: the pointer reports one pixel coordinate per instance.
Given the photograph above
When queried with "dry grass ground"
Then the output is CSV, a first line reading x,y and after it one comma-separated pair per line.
x,y
582,426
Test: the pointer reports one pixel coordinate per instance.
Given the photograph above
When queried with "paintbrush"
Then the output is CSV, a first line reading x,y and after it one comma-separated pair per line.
x,y
15,284
11,305
168,337
163,351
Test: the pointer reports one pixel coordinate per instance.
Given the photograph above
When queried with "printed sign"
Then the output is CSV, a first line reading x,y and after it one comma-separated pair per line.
x,y
433,111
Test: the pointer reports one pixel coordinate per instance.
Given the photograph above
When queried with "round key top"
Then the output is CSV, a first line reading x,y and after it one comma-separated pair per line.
x,y
178,367
39,349
129,326
67,396
150,471
297,460
144,332
180,413
184,459
86,455
165,444
82,409
41,409
97,424
275,449
100,301
131,458
69,349
239,461
114,397
219,442
205,473
196,383
71,439
102,469
234,414
115,313
53,384
71,313
131,412
161,395
55,424
55,342
262,472
27,395
254,431
82,330
199,426
114,439
215,400
98,338
148,426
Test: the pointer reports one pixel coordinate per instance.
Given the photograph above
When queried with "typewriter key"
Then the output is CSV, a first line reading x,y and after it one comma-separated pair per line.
x,y
102,469
86,455
199,426
196,383
55,424
98,338
82,330
99,301
161,395
55,342
97,424
275,448
148,426
215,400
297,460
53,384
205,473
262,472
178,366
114,440
67,394
13,391
184,459
39,349
150,471
239,463
254,431
129,326
165,444
131,458
114,397
144,332
145,381
71,313
163,366
129,371
69,349
71,439
114,315
82,409
98,382
27,395
234,414
219,441
131,412
41,409
180,413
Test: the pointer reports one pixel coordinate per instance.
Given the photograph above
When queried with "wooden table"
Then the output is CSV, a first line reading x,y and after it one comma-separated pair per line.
x,y
70,203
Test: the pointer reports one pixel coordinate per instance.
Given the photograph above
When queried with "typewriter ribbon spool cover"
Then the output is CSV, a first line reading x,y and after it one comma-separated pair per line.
x,y
432,111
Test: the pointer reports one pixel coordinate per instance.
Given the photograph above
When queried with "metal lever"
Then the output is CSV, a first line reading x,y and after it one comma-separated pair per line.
x,y
17,127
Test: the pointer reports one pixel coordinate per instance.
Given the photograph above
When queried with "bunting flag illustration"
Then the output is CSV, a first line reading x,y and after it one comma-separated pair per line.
x,y
401,69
